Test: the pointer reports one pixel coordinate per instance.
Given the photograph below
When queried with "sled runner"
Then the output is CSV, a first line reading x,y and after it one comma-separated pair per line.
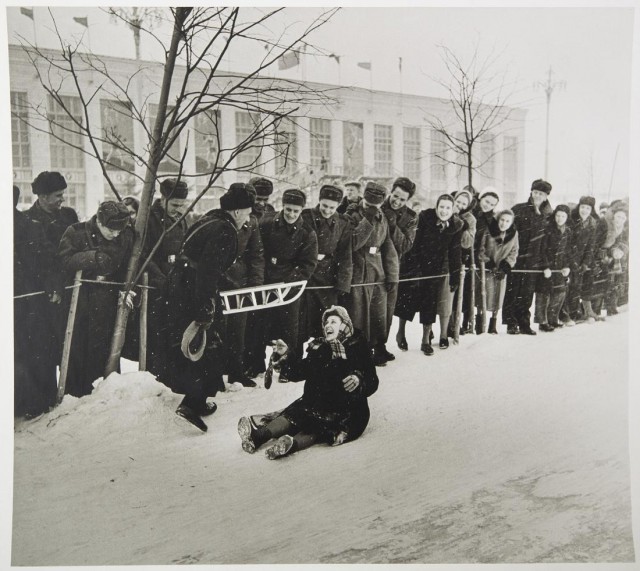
x,y
261,297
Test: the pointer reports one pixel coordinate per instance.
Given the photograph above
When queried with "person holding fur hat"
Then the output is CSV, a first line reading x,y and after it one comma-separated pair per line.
x,y
339,376
264,189
335,265
375,262
166,229
499,251
530,221
555,254
403,222
583,234
290,254
100,248
195,309
352,195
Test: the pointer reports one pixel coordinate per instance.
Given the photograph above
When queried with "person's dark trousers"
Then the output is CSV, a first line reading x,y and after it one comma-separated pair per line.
x,y
254,342
516,309
234,336
392,298
571,306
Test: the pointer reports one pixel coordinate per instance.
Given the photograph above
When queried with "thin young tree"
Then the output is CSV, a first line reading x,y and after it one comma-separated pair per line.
x,y
194,88
475,112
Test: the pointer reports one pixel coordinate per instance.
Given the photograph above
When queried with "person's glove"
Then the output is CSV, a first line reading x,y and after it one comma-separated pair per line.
x,y
128,298
279,347
566,272
389,286
617,253
351,383
547,273
453,287
505,267
584,268
392,217
104,262
55,297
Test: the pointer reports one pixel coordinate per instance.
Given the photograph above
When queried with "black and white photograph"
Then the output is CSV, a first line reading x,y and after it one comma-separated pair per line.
x,y
321,285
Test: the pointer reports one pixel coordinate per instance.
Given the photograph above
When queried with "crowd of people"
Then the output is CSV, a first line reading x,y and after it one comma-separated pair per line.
x,y
366,256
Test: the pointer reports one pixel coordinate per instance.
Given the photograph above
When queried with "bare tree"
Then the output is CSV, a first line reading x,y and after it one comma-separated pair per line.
x,y
477,97
194,89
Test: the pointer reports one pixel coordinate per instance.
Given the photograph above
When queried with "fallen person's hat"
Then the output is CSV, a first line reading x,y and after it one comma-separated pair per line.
x,y
194,340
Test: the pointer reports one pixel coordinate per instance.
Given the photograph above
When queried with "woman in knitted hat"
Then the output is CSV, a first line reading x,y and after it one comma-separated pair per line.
x,y
339,375
499,251
551,286
615,252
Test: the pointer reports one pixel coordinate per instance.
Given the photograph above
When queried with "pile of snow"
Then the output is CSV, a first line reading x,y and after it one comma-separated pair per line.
x,y
500,450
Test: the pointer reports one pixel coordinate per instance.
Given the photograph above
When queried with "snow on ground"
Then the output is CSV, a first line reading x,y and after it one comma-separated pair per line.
x,y
505,449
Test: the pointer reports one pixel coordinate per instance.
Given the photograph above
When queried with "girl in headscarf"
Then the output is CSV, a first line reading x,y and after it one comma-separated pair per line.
x,y
340,375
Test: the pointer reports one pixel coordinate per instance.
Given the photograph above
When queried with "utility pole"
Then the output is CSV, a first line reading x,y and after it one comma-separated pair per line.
x,y
548,86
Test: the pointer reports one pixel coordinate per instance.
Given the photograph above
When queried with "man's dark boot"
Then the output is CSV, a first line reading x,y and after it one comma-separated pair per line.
x,y
493,326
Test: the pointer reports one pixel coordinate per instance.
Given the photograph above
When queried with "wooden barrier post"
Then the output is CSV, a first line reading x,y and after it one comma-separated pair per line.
x,y
472,309
68,335
458,317
142,355
483,297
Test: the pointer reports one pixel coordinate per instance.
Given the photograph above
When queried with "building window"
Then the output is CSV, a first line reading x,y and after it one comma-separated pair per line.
x,y
206,128
170,163
65,145
383,150
320,144
286,148
353,152
510,155
247,125
22,175
488,161
438,161
118,145
411,166
462,161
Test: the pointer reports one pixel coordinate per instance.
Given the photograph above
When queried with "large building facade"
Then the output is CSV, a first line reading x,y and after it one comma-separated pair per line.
x,y
362,134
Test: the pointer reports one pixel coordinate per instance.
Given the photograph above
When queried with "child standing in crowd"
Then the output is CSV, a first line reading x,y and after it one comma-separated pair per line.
x,y
499,251
551,287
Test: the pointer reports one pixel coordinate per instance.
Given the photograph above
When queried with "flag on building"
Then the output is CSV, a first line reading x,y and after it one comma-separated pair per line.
x,y
28,12
335,57
365,65
82,20
288,60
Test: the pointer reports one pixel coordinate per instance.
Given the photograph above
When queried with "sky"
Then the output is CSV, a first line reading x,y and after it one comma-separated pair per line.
x,y
589,50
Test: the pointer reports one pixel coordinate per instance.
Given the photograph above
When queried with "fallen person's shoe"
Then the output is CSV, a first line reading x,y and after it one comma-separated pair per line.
x,y
191,416
246,432
281,448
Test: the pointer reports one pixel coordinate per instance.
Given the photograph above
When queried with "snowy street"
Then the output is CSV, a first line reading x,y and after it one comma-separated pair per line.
x,y
504,449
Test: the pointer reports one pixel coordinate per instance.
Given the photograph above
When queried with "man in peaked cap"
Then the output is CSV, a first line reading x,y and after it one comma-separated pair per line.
x,y
52,219
209,249
530,219
290,254
100,248
334,268
375,260
403,223
352,195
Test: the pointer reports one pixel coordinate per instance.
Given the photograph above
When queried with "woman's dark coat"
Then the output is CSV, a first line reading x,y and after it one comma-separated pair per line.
x,y
326,408
555,254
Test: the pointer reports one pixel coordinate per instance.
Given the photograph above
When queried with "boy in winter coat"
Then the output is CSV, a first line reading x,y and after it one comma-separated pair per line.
x,y
499,251
551,287
340,375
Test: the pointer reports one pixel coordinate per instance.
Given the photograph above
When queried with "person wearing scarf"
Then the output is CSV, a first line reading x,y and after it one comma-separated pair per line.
x,y
615,252
339,375
499,251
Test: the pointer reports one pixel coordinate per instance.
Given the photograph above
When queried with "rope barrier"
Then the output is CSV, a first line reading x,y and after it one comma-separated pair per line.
x,y
105,282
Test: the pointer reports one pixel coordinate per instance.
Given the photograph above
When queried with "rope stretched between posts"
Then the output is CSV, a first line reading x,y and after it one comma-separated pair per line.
x,y
104,282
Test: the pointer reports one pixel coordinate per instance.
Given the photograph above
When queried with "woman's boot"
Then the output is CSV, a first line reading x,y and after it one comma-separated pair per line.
x,y
492,325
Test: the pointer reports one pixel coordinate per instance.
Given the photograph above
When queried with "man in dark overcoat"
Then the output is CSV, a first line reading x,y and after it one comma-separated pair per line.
x,y
530,220
334,268
246,271
402,222
290,254
375,262
34,385
164,214
100,248
54,219
195,308
352,195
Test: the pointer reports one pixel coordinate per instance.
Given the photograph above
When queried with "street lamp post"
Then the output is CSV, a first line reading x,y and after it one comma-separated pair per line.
x,y
549,85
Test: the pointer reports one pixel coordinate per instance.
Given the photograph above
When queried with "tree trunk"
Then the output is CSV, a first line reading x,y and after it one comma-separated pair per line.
x,y
117,341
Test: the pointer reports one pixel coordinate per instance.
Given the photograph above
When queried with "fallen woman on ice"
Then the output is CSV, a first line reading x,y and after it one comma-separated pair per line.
x,y
339,375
